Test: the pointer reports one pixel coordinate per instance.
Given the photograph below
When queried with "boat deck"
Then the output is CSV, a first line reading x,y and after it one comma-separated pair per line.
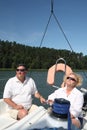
x,y
39,119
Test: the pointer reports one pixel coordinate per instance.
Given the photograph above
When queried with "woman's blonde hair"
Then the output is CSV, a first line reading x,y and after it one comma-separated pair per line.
x,y
79,78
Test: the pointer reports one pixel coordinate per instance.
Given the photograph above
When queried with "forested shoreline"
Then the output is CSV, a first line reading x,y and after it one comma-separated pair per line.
x,y
12,53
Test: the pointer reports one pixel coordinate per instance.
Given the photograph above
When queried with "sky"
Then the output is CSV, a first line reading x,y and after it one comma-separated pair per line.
x,y
24,21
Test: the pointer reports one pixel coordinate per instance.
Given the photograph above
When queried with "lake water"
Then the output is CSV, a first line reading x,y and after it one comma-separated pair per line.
x,y
40,78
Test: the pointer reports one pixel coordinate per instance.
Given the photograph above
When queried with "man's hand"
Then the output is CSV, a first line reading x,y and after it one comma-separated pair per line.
x,y
42,100
18,107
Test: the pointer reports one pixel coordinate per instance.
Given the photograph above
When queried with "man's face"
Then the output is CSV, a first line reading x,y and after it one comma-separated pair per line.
x,y
21,72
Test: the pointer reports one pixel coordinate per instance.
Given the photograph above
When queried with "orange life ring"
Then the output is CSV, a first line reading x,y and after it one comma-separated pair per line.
x,y
55,68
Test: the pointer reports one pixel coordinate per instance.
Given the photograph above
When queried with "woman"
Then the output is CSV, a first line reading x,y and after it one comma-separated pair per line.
x,y
72,94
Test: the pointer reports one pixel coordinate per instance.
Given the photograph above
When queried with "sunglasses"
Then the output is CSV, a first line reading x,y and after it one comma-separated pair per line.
x,y
21,70
71,79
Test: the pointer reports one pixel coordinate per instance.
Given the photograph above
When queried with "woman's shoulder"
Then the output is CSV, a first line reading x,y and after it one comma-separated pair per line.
x,y
60,89
78,92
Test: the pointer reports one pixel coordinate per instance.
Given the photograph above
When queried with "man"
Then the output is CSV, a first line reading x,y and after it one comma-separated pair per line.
x,y
18,93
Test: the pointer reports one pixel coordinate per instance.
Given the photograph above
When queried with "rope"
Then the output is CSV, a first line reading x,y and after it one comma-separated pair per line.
x,y
52,13
62,31
45,31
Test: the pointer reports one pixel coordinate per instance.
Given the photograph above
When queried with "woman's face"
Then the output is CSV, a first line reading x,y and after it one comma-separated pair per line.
x,y
71,80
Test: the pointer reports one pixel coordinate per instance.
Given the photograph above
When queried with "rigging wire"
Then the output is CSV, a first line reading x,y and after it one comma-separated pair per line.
x,y
62,31
45,31
59,25
52,13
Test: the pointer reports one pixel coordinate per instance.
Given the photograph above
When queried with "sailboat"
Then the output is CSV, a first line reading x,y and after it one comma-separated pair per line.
x,y
42,118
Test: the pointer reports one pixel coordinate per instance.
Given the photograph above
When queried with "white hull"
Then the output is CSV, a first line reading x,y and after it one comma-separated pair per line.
x,y
40,118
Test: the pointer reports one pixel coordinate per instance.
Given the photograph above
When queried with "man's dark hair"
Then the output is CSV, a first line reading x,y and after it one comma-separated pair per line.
x,y
22,64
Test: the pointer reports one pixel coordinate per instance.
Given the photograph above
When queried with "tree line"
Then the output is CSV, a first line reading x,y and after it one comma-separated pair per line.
x,y
12,53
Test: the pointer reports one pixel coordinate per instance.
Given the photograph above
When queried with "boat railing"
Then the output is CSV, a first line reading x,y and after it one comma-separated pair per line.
x,y
57,61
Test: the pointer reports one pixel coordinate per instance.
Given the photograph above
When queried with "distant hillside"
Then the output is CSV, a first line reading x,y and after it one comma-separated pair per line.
x,y
12,53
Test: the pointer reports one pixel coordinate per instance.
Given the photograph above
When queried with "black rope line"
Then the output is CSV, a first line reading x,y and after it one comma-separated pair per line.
x,y
52,13
45,30
62,32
